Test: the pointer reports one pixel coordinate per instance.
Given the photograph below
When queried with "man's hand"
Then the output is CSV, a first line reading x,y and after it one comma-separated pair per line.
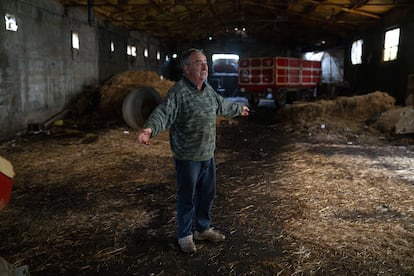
x,y
245,111
144,136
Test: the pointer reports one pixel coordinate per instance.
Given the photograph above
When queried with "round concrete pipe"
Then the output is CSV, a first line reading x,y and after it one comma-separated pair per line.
x,y
138,105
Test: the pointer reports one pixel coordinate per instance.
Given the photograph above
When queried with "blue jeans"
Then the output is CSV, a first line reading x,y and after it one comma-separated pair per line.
x,y
196,189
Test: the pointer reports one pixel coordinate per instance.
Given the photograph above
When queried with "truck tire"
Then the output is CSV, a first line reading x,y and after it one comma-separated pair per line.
x,y
305,95
138,106
280,99
253,99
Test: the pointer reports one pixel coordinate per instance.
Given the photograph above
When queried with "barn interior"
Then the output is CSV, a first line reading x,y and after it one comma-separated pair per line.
x,y
318,186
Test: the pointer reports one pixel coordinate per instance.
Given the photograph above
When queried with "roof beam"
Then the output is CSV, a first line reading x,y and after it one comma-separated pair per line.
x,y
345,9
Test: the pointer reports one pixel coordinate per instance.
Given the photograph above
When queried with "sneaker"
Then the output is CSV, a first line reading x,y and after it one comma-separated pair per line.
x,y
209,234
187,244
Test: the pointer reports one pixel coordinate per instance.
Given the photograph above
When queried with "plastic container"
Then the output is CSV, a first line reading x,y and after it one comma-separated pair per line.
x,y
6,181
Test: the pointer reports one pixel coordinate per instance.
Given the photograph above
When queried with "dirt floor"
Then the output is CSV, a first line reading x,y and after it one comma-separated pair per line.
x,y
322,196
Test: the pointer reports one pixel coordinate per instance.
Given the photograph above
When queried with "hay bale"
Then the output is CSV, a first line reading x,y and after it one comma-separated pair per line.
x,y
343,108
113,92
141,78
387,120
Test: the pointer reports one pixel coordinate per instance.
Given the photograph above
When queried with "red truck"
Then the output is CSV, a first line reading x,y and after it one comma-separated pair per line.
x,y
282,78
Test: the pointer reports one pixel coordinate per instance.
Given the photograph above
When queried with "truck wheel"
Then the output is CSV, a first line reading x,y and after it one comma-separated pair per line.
x,y
305,95
279,99
138,106
253,99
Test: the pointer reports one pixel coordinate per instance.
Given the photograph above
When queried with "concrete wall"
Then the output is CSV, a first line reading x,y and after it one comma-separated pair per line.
x,y
40,72
111,63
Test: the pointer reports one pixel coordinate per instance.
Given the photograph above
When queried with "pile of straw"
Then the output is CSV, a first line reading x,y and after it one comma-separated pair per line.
x,y
346,108
345,119
115,90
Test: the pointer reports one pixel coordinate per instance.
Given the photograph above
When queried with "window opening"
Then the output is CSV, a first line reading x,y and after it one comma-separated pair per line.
x,y
224,73
75,40
11,23
315,56
391,42
225,63
131,50
112,47
356,52
331,64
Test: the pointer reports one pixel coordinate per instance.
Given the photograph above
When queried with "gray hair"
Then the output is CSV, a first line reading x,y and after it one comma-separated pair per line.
x,y
185,59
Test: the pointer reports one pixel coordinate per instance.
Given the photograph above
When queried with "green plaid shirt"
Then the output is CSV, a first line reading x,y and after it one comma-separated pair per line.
x,y
191,117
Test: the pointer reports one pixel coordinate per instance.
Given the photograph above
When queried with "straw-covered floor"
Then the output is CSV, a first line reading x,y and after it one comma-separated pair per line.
x,y
324,196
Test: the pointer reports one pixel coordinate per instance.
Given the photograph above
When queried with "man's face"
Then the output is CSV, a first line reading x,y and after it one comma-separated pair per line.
x,y
197,70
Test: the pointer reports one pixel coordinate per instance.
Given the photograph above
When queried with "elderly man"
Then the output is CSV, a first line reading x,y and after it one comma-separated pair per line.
x,y
189,112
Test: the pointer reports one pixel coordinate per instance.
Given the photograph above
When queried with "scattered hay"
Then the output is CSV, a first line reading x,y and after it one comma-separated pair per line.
x,y
104,204
344,212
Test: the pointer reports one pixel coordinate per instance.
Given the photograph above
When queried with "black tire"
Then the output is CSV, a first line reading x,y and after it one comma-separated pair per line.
x,y
253,99
305,95
138,106
280,98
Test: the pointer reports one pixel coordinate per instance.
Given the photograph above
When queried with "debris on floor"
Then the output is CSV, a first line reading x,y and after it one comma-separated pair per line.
x,y
310,190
